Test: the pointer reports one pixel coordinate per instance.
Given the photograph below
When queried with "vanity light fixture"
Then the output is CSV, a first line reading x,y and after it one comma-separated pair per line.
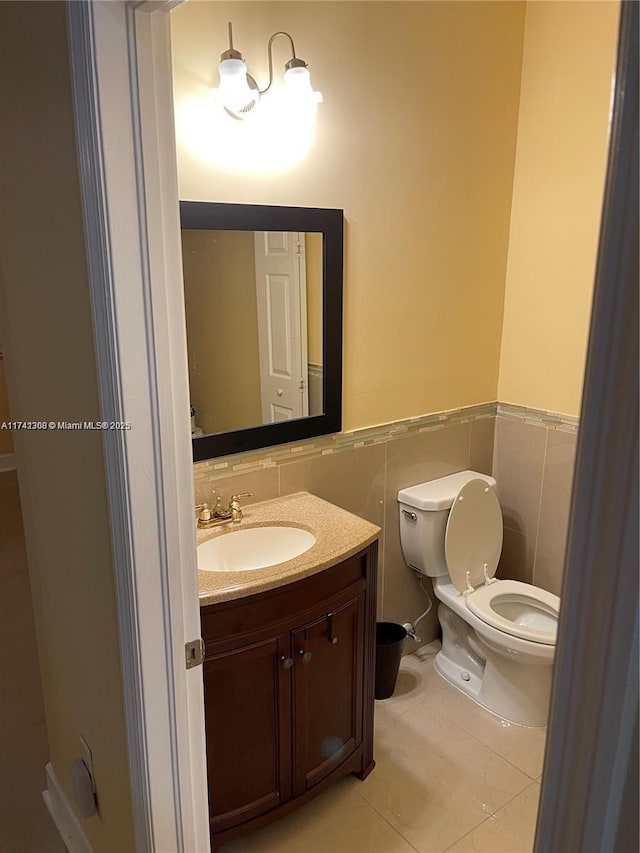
x,y
238,91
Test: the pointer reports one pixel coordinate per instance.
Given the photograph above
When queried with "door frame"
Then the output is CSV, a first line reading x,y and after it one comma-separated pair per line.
x,y
121,76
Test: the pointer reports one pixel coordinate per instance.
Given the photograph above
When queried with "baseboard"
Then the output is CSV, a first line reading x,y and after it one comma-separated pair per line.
x,y
63,815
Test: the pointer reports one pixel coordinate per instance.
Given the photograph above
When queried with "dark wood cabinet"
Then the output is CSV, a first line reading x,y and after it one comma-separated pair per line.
x,y
327,706
288,678
250,686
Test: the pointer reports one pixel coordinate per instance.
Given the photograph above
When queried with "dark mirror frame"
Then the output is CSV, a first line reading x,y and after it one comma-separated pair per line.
x,y
250,217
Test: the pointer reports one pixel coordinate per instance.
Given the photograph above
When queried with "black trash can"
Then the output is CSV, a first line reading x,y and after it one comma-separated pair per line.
x,y
389,640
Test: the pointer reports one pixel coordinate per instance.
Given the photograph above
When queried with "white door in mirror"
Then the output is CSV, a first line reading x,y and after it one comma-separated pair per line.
x,y
281,295
253,548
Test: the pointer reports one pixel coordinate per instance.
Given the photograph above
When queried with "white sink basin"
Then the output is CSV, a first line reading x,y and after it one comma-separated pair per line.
x,y
254,548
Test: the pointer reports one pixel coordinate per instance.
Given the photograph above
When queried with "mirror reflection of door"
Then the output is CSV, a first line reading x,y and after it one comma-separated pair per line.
x,y
253,303
281,297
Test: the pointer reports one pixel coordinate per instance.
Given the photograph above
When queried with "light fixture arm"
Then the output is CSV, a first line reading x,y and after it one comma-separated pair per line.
x,y
293,62
231,52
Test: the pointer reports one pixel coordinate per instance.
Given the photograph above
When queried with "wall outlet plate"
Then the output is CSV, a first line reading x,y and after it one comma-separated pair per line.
x,y
81,785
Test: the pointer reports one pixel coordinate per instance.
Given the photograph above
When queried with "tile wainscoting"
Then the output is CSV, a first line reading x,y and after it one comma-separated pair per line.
x,y
533,460
362,472
530,453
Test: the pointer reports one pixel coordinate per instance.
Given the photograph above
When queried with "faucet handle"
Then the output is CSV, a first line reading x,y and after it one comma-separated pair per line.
x,y
204,512
234,506
241,497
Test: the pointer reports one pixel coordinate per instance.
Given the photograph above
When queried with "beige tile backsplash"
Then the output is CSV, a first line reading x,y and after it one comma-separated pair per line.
x,y
518,464
533,463
481,445
365,480
263,485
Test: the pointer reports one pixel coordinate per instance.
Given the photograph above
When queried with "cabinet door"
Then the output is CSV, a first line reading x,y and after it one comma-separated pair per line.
x,y
327,710
248,728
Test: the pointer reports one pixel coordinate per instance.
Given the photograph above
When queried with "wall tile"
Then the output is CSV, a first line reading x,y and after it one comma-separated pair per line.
x,y
517,466
415,459
13,557
516,560
554,510
549,565
262,484
353,480
532,462
425,456
19,669
481,445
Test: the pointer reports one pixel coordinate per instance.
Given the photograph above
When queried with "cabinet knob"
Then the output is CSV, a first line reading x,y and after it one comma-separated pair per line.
x,y
286,663
306,656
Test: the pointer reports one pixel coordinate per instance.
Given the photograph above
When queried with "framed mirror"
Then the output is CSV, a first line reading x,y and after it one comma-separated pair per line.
x,y
263,302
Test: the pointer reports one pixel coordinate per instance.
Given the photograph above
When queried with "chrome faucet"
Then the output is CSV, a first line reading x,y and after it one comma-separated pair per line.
x,y
219,516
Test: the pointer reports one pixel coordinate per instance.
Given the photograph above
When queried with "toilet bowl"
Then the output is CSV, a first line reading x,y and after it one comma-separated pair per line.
x,y
498,636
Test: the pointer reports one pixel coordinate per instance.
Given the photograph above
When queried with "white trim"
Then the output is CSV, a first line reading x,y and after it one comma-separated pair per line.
x,y
155,5
120,62
63,815
157,136
7,462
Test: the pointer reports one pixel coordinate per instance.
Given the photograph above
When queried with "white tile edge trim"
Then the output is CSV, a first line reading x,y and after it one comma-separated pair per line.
x,y
7,462
63,816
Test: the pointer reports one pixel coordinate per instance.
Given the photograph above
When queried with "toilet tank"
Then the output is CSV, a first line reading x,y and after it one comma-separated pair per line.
x,y
424,510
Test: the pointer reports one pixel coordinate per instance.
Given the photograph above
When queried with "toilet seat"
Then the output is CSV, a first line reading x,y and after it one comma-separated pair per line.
x,y
518,609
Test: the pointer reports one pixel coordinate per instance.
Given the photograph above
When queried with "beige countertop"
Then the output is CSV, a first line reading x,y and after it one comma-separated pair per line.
x,y
339,534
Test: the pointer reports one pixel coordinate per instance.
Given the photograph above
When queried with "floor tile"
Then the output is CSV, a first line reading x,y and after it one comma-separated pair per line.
x,y
433,780
509,830
449,776
420,684
414,678
337,821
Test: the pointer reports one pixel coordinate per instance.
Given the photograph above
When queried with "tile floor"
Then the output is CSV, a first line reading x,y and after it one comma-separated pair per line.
x,y
449,777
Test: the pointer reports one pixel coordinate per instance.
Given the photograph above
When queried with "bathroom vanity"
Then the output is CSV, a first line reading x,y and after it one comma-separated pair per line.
x,y
289,667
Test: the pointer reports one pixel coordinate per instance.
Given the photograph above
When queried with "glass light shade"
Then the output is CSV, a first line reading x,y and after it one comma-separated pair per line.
x,y
234,91
298,85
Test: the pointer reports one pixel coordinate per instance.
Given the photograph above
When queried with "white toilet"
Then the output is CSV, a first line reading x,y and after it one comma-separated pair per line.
x,y
498,636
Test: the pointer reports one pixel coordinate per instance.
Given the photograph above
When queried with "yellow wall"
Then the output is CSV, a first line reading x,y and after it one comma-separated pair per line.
x,y
222,328
51,376
416,141
569,56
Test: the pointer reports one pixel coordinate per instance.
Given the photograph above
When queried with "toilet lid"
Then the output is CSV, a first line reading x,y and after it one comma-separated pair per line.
x,y
474,535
